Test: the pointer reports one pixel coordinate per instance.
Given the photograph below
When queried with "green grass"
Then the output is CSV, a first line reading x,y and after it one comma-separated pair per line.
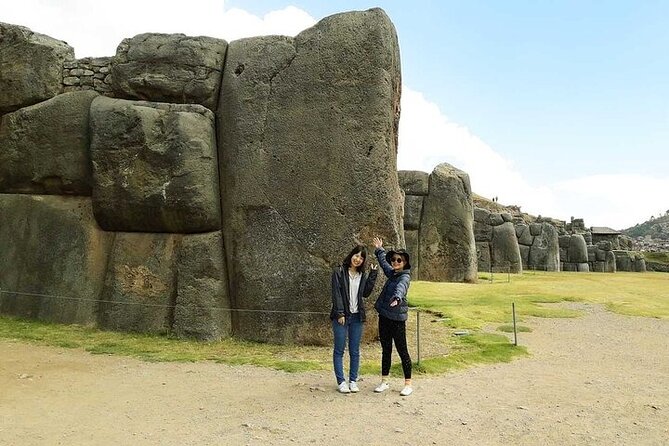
x,y
471,306
451,306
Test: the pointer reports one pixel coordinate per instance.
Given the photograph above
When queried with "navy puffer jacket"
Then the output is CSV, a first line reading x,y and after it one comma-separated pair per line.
x,y
396,288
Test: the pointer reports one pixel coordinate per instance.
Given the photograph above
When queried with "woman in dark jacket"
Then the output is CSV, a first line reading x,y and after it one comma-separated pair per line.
x,y
350,285
393,306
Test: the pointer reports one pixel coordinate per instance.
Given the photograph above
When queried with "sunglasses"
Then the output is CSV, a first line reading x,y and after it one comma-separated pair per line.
x,y
397,260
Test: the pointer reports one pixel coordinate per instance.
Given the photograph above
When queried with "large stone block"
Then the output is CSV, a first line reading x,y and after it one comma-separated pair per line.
x,y
169,68
412,247
44,147
53,258
203,308
413,207
483,259
545,252
524,235
154,167
140,287
447,245
308,133
31,67
578,250
413,182
504,249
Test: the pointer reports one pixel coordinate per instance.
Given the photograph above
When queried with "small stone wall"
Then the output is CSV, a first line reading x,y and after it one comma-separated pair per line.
x,y
89,73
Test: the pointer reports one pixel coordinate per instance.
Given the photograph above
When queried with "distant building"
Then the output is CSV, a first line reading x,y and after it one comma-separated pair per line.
x,y
602,233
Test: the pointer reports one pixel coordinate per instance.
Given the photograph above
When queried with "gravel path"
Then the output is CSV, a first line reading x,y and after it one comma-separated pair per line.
x,y
602,379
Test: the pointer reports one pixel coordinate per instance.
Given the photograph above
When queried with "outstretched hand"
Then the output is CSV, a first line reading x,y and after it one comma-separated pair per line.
x,y
374,266
378,242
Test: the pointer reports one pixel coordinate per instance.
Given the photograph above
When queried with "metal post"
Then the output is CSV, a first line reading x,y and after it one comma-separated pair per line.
x,y
515,336
418,336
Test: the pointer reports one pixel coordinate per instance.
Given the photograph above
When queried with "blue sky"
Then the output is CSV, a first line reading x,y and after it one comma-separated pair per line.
x,y
558,106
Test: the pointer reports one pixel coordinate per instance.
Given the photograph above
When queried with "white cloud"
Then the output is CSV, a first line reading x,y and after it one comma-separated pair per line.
x,y
96,29
427,138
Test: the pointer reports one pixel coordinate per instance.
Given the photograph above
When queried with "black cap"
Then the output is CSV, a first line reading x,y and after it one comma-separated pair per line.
x,y
401,252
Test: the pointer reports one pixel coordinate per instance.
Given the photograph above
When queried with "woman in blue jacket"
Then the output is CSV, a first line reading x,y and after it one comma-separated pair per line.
x,y
393,306
350,285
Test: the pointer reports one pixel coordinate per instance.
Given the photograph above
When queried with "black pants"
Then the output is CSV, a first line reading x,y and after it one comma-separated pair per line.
x,y
389,331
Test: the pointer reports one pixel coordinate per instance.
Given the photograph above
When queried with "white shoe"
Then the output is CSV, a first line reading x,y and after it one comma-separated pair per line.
x,y
406,391
343,388
353,386
382,387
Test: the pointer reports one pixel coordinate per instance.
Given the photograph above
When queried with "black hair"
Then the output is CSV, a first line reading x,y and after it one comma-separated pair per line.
x,y
356,249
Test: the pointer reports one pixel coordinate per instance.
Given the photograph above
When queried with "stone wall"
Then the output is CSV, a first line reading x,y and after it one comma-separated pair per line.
x,y
497,246
89,73
204,199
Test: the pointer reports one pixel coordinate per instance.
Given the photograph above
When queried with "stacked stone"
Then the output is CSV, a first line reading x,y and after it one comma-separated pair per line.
x,y
601,258
89,73
538,245
497,247
414,183
442,204
574,253
127,192
630,261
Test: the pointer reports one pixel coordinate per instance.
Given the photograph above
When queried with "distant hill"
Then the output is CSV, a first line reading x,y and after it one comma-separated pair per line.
x,y
656,229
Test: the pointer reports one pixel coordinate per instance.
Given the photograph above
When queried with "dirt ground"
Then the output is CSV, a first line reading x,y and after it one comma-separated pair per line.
x,y
602,379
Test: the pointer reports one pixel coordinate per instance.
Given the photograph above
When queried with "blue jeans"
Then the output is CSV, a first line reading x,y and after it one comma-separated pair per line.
x,y
353,328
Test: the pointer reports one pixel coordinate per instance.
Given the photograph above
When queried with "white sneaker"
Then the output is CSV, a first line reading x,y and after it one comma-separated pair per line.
x,y
382,387
343,388
353,386
406,391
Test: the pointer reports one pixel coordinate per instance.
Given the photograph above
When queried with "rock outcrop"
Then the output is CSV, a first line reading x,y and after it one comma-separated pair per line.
x,y
308,140
447,249
154,167
169,68
496,242
31,67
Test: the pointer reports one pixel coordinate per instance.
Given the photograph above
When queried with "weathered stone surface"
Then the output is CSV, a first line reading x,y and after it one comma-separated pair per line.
x,y
411,243
140,286
202,308
592,253
564,241
610,262
154,167
523,234
495,219
507,217
44,147
481,215
413,182
483,259
169,68
578,250
482,232
544,252
535,229
623,260
53,251
30,67
583,267
504,249
525,256
639,264
413,206
447,246
308,133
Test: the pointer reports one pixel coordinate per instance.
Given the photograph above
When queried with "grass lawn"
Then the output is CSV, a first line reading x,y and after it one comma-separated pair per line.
x,y
445,308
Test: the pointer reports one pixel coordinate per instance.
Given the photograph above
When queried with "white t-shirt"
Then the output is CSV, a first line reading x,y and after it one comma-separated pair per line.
x,y
354,286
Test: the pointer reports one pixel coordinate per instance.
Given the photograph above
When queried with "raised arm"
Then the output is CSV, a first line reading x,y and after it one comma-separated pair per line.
x,y
381,257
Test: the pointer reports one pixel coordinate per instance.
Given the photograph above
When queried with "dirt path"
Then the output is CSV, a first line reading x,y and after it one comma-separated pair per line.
x,y
602,379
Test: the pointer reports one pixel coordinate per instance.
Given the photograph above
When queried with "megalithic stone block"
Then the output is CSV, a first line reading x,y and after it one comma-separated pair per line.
x,y
154,167
308,142
31,67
